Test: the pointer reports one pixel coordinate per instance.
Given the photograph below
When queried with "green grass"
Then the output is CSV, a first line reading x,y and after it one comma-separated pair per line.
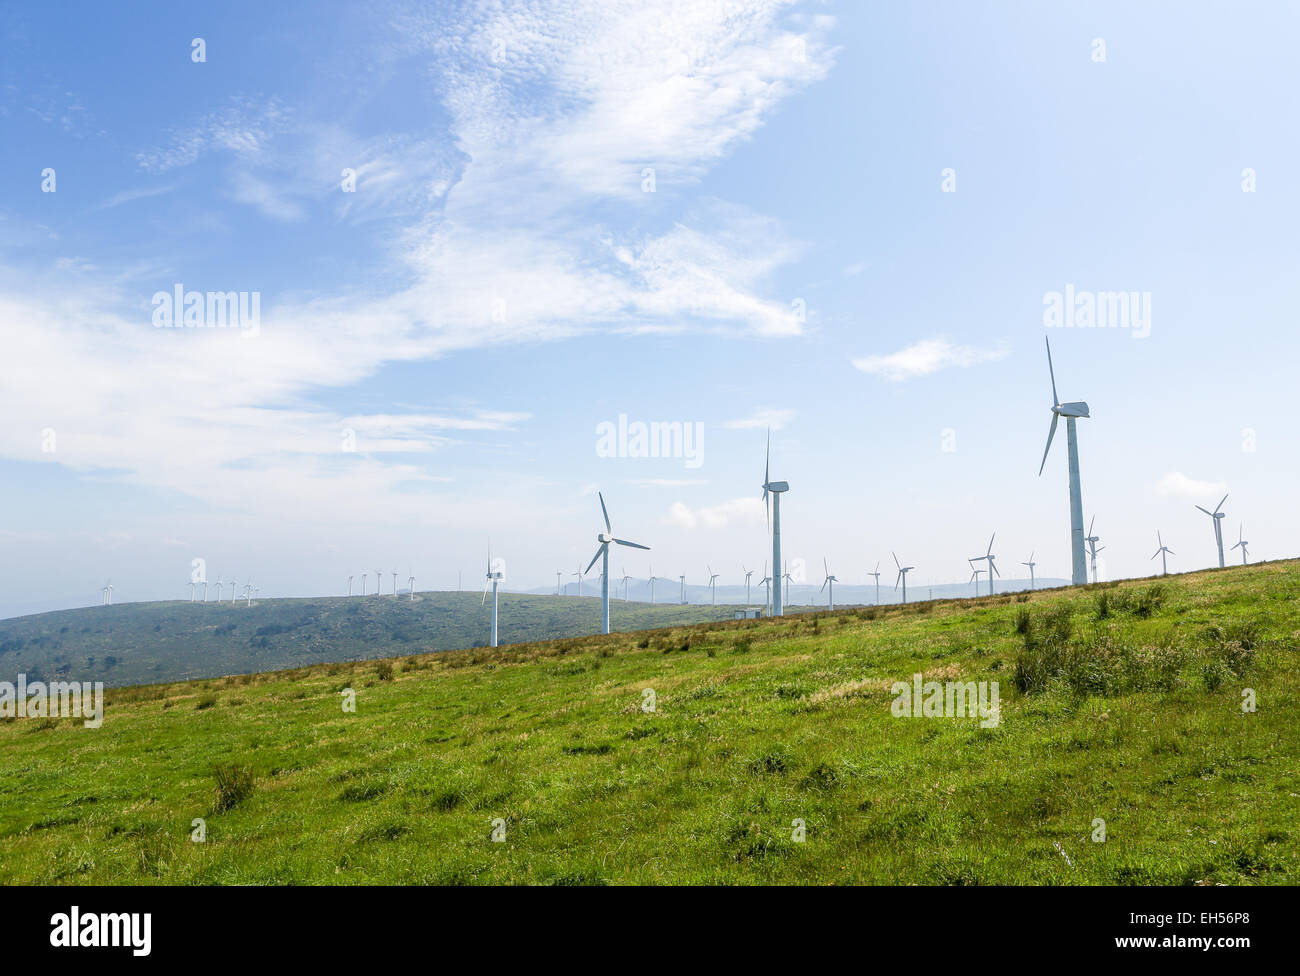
x,y
1120,702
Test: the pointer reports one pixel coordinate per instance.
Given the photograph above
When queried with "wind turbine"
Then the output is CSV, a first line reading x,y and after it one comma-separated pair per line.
x,y
410,585
1242,544
975,577
234,590
776,488
766,582
1071,412
902,574
651,581
205,591
557,582
579,574
992,568
219,589
379,582
625,579
363,584
349,588
1163,552
682,580
788,579
107,590
1217,515
394,584
192,585
602,553
876,574
748,574
1031,564
1093,548
493,580
713,588
248,591
829,581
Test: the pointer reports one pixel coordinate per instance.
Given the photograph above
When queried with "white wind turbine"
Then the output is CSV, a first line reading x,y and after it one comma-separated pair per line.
x,y
1071,412
218,589
787,579
992,568
748,574
558,576
379,582
975,577
107,590
602,553
205,590
494,578
651,581
829,581
1031,564
349,585
363,584
1241,544
410,584
1218,516
625,579
766,583
876,573
579,574
394,584
713,589
1093,548
776,488
682,580
902,574
1163,552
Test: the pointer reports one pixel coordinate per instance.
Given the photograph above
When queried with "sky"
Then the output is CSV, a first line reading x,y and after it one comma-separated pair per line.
x,y
477,235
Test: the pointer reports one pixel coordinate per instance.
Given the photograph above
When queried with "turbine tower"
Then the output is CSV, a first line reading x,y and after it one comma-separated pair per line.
x,y
1217,515
776,488
192,585
876,574
713,588
975,577
766,582
219,588
107,590
748,574
682,580
205,591
1093,548
991,569
625,579
557,582
1163,552
394,584
410,585
829,581
493,580
579,574
902,574
651,581
1071,412
349,588
602,553
1241,544
1031,564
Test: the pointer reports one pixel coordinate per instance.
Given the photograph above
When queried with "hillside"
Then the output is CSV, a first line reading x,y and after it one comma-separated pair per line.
x,y
175,640
1120,703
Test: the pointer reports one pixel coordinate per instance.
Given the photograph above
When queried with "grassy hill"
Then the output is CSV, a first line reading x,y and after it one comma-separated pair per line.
x,y
1120,703
176,640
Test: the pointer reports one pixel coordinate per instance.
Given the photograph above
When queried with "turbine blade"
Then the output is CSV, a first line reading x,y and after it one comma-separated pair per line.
x,y
896,562
1171,552
604,512
1051,432
824,582
1220,505
1205,510
1154,554
601,548
1091,524
991,538
1056,401
633,545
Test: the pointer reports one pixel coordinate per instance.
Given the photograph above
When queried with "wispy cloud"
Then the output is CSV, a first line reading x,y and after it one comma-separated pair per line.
x,y
141,193
761,418
926,357
737,510
1178,485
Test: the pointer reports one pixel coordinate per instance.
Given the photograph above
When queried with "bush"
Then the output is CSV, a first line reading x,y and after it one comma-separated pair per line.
x,y
234,785
384,671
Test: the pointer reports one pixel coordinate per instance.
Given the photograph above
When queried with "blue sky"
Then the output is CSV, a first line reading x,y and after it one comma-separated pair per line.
x,y
500,283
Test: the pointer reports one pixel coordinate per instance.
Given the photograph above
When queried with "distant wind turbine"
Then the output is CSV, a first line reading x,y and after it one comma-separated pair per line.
x,y
713,589
1163,552
219,588
625,579
991,569
349,588
1093,548
748,574
1241,544
876,573
776,488
363,584
829,581
1031,564
410,584
602,553
975,577
766,583
107,590
902,574
557,582
1071,412
651,581
1218,516
682,597
493,580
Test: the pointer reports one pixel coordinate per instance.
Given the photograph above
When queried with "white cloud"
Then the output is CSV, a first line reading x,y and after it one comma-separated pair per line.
x,y
1178,485
737,510
760,419
926,357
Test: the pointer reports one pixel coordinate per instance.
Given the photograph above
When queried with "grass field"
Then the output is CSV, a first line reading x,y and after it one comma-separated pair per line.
x,y
1120,703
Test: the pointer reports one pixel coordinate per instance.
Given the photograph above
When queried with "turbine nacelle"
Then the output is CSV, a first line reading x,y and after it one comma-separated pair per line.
x,y
1076,409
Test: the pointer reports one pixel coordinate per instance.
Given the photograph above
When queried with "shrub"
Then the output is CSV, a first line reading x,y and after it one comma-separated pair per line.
x,y
234,785
207,701
384,670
